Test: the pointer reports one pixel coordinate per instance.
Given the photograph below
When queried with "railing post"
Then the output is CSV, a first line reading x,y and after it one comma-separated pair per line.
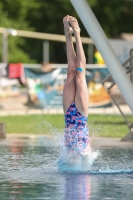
x,y
131,65
90,53
2,130
46,52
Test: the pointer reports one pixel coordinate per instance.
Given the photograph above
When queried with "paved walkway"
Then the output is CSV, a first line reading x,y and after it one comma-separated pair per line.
x,y
110,142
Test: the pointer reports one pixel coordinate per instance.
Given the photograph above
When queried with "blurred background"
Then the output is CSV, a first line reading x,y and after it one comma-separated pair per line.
x,y
43,16
33,69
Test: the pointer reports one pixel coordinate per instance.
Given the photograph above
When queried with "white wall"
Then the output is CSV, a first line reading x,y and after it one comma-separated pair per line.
x,y
121,48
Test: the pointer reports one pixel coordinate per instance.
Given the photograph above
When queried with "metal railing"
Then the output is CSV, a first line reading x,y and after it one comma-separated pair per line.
x,y
129,70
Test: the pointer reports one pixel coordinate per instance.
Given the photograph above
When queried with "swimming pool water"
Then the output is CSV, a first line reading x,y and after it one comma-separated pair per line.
x,y
28,171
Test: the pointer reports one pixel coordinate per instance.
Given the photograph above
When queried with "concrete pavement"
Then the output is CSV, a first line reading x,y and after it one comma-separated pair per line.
x,y
96,142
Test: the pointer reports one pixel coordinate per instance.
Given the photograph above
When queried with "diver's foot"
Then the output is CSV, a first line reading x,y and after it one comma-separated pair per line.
x,y
67,29
75,26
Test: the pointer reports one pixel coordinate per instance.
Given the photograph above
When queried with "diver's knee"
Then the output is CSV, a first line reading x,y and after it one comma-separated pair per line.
x,y
71,72
80,77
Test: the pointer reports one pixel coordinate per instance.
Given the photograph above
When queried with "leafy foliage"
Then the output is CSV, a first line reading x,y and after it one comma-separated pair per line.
x,y
114,16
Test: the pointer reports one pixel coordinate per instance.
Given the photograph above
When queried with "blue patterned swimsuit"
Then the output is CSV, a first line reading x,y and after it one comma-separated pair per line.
x,y
76,130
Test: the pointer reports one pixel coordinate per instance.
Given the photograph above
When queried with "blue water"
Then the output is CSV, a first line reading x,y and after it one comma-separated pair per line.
x,y
28,170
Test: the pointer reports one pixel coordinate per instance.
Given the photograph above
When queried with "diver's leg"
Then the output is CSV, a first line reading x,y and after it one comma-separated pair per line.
x,y
69,90
81,97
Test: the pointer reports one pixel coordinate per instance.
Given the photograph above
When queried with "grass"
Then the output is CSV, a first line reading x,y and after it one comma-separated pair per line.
x,y
99,125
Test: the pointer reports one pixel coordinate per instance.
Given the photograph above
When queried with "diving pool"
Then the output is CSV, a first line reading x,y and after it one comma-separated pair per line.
x,y
28,171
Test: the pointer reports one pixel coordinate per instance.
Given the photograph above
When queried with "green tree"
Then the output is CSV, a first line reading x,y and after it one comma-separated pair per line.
x,y
114,16
13,14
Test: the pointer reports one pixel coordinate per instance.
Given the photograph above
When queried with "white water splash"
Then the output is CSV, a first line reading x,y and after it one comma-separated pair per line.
x,y
70,161
75,162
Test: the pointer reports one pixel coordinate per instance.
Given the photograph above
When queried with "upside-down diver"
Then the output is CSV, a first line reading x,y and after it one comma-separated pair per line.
x,y
75,93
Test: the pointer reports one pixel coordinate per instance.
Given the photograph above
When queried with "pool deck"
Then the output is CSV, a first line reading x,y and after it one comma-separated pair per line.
x,y
110,142
95,141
